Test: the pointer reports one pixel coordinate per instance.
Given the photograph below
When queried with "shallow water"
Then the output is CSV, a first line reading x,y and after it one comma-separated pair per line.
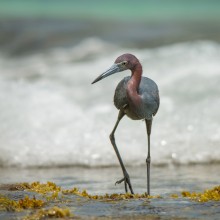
x,y
164,181
51,115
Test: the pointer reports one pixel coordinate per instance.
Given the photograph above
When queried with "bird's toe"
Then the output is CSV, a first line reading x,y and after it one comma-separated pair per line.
x,y
120,181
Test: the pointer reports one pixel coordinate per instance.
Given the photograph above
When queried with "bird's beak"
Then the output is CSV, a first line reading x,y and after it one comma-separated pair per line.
x,y
113,69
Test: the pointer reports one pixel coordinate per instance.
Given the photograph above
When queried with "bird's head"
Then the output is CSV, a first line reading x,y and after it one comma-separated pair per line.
x,y
123,62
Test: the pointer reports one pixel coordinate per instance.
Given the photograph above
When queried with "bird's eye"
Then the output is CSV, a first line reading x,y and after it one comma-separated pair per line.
x,y
124,63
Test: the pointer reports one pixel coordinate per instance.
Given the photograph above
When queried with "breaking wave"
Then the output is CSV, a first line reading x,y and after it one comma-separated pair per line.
x,y
51,115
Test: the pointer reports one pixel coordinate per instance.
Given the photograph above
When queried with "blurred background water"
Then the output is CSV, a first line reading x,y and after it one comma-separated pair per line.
x,y
51,51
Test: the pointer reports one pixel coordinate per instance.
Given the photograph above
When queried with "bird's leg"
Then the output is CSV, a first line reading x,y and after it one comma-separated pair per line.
x,y
148,160
126,178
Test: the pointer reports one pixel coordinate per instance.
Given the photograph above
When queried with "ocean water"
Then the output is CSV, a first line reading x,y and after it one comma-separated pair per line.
x,y
114,10
51,115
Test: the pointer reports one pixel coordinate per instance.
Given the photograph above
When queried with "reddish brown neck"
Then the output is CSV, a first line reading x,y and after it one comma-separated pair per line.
x,y
132,87
134,82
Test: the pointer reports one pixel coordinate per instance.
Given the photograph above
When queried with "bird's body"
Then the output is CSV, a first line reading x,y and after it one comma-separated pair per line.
x,y
138,98
149,94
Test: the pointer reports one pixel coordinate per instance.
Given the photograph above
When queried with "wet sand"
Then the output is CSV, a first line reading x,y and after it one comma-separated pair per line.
x,y
165,181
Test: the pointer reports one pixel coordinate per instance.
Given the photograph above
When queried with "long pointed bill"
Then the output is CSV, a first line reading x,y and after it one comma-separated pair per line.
x,y
113,69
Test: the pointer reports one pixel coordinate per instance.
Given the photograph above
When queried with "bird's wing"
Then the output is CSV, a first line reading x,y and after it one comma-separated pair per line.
x,y
149,93
120,97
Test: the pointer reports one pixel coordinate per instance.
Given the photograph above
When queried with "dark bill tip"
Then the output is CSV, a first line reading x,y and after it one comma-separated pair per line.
x,y
113,69
96,80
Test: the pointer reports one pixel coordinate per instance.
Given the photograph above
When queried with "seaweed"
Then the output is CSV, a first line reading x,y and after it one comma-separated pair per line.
x,y
114,196
208,195
25,203
42,188
54,212
48,190
49,193
174,196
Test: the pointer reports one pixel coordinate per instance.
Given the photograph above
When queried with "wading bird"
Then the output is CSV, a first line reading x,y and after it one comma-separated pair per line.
x,y
138,98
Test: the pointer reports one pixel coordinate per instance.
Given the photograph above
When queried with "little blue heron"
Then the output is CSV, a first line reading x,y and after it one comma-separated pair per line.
x,y
138,98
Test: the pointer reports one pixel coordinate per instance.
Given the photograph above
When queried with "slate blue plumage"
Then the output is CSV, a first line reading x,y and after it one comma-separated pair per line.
x,y
149,93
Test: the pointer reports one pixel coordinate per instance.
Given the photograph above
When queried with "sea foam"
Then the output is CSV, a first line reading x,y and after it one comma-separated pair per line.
x,y
51,115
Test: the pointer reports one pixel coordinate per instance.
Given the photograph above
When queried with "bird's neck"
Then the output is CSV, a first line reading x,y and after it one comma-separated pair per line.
x,y
133,84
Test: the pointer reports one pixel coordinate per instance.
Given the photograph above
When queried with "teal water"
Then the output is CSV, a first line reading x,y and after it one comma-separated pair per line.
x,y
123,10
27,26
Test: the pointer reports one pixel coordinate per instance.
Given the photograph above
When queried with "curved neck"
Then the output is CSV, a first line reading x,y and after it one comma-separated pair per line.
x,y
132,87
134,82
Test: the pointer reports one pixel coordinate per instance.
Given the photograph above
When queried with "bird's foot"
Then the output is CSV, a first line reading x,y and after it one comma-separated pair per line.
x,y
126,180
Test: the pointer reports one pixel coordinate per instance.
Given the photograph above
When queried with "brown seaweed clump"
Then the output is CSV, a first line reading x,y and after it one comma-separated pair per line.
x,y
49,190
54,212
114,196
34,204
25,203
42,188
174,196
208,195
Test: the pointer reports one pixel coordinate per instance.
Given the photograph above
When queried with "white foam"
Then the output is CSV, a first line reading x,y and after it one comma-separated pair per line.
x,y
51,115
